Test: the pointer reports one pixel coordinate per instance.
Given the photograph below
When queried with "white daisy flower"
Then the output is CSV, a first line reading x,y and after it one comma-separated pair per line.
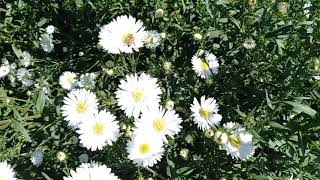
x,y
91,171
4,70
68,80
6,172
50,29
160,121
37,158
99,131
153,39
79,105
145,149
25,76
46,42
123,34
240,144
205,114
205,67
137,93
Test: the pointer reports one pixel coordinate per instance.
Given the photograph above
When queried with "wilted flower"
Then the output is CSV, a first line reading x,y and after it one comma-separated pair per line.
x,y
249,43
37,157
4,70
83,158
25,76
283,7
46,42
50,29
25,59
87,81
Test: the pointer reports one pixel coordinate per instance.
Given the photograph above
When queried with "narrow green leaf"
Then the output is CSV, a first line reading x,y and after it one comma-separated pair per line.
x,y
42,22
18,126
46,176
277,125
41,100
302,107
16,51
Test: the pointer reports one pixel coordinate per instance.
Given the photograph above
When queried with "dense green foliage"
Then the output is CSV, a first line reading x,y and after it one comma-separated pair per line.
x,y
269,89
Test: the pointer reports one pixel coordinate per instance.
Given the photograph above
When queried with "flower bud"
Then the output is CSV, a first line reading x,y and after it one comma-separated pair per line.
x,y
189,139
197,36
61,156
220,137
163,35
200,52
209,133
184,153
283,7
169,105
167,66
159,13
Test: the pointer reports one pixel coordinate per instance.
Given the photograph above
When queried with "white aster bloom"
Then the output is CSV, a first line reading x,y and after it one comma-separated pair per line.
x,y
153,39
91,171
137,93
37,158
205,67
145,149
79,105
68,80
50,29
123,34
240,144
4,70
6,172
99,131
160,122
46,42
205,114
25,76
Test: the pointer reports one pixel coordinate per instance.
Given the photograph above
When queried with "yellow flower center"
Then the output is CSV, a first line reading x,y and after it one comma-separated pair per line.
x,y
204,113
204,66
81,107
151,40
98,128
1,178
128,39
159,124
144,148
70,80
138,95
235,141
